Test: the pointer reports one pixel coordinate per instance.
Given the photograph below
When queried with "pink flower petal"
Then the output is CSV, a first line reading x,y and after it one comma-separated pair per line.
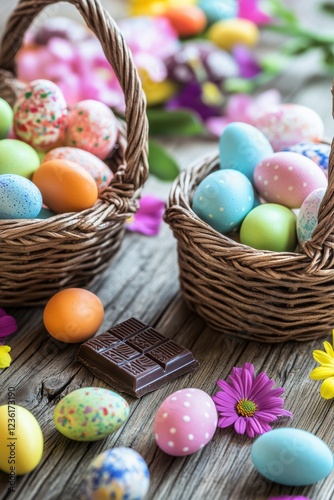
x,y
7,325
227,421
248,9
240,425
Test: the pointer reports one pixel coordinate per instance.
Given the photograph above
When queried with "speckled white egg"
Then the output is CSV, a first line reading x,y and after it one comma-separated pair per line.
x,y
287,124
40,115
307,218
288,178
317,152
223,199
92,126
185,422
19,197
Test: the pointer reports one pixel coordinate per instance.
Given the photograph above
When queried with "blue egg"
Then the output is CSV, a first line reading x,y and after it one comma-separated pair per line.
x,y
117,473
223,199
293,457
242,147
216,10
19,197
318,152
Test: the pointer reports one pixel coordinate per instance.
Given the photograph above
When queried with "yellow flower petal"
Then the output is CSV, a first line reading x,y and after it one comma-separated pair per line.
x,y
327,388
329,349
323,358
322,372
5,359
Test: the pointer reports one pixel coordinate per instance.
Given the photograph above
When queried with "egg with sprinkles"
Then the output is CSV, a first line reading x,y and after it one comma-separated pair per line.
x,y
317,152
223,199
19,197
92,126
40,115
288,178
90,413
307,218
185,422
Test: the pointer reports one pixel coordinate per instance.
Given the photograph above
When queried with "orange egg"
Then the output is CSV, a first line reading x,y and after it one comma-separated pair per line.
x,y
65,186
187,20
73,315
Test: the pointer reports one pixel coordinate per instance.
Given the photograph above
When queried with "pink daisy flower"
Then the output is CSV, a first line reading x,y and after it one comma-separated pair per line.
x,y
249,402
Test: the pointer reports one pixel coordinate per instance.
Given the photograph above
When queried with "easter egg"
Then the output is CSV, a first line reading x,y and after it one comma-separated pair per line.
x,y
270,227
17,157
230,32
185,422
242,147
40,115
100,172
317,152
90,414
19,198
307,218
288,178
292,457
187,20
73,315
216,10
287,124
223,199
21,440
92,126
65,186
6,118
120,473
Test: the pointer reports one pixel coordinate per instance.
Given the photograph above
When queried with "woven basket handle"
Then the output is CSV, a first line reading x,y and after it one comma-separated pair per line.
x,y
135,171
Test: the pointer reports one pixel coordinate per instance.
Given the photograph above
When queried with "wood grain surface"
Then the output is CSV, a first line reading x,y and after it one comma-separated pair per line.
x,y
142,281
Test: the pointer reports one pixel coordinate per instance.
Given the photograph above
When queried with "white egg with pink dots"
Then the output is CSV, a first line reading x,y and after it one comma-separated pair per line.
x,y
185,422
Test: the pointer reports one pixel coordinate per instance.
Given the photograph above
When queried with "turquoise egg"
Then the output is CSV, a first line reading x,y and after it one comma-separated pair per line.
x,y
19,197
90,413
216,10
242,147
119,473
223,199
292,457
318,152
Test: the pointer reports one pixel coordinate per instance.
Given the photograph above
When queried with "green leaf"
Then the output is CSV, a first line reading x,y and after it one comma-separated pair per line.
x,y
327,7
161,163
175,123
279,11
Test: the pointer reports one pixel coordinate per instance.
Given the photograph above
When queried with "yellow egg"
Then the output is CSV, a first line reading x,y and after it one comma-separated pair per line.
x,y
154,7
229,32
21,440
157,92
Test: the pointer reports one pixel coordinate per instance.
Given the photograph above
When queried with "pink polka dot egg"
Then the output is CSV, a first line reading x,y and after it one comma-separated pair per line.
x,y
185,422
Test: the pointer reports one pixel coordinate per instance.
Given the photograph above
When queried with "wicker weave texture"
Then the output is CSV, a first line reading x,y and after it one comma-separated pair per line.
x,y
40,257
247,293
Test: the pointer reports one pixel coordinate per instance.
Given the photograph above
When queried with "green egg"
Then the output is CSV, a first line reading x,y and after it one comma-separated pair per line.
x,y
17,157
270,227
6,118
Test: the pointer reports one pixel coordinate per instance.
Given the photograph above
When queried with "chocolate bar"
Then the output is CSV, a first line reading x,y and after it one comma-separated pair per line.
x,y
135,358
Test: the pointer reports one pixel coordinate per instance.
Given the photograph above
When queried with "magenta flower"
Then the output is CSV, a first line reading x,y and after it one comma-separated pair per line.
x,y
249,9
249,402
148,218
7,325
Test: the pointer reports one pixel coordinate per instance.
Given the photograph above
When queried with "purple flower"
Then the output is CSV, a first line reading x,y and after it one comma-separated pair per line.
x,y
148,218
248,66
205,99
7,325
249,402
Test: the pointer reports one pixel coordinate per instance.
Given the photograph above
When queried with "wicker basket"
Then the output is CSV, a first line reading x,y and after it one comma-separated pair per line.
x,y
257,295
40,257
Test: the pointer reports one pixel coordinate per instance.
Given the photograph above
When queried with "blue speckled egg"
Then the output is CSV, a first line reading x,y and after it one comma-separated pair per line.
x,y
307,218
242,147
293,457
223,199
318,152
19,197
216,10
119,473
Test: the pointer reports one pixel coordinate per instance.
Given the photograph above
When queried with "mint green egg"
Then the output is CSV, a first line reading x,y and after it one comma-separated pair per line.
x,y
6,118
17,157
270,227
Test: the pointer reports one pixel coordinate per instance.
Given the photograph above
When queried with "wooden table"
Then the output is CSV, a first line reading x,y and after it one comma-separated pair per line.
x,y
142,281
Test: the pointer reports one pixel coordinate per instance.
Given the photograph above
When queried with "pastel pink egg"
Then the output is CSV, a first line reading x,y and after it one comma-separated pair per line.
x,y
288,178
40,115
92,126
285,125
91,163
185,422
